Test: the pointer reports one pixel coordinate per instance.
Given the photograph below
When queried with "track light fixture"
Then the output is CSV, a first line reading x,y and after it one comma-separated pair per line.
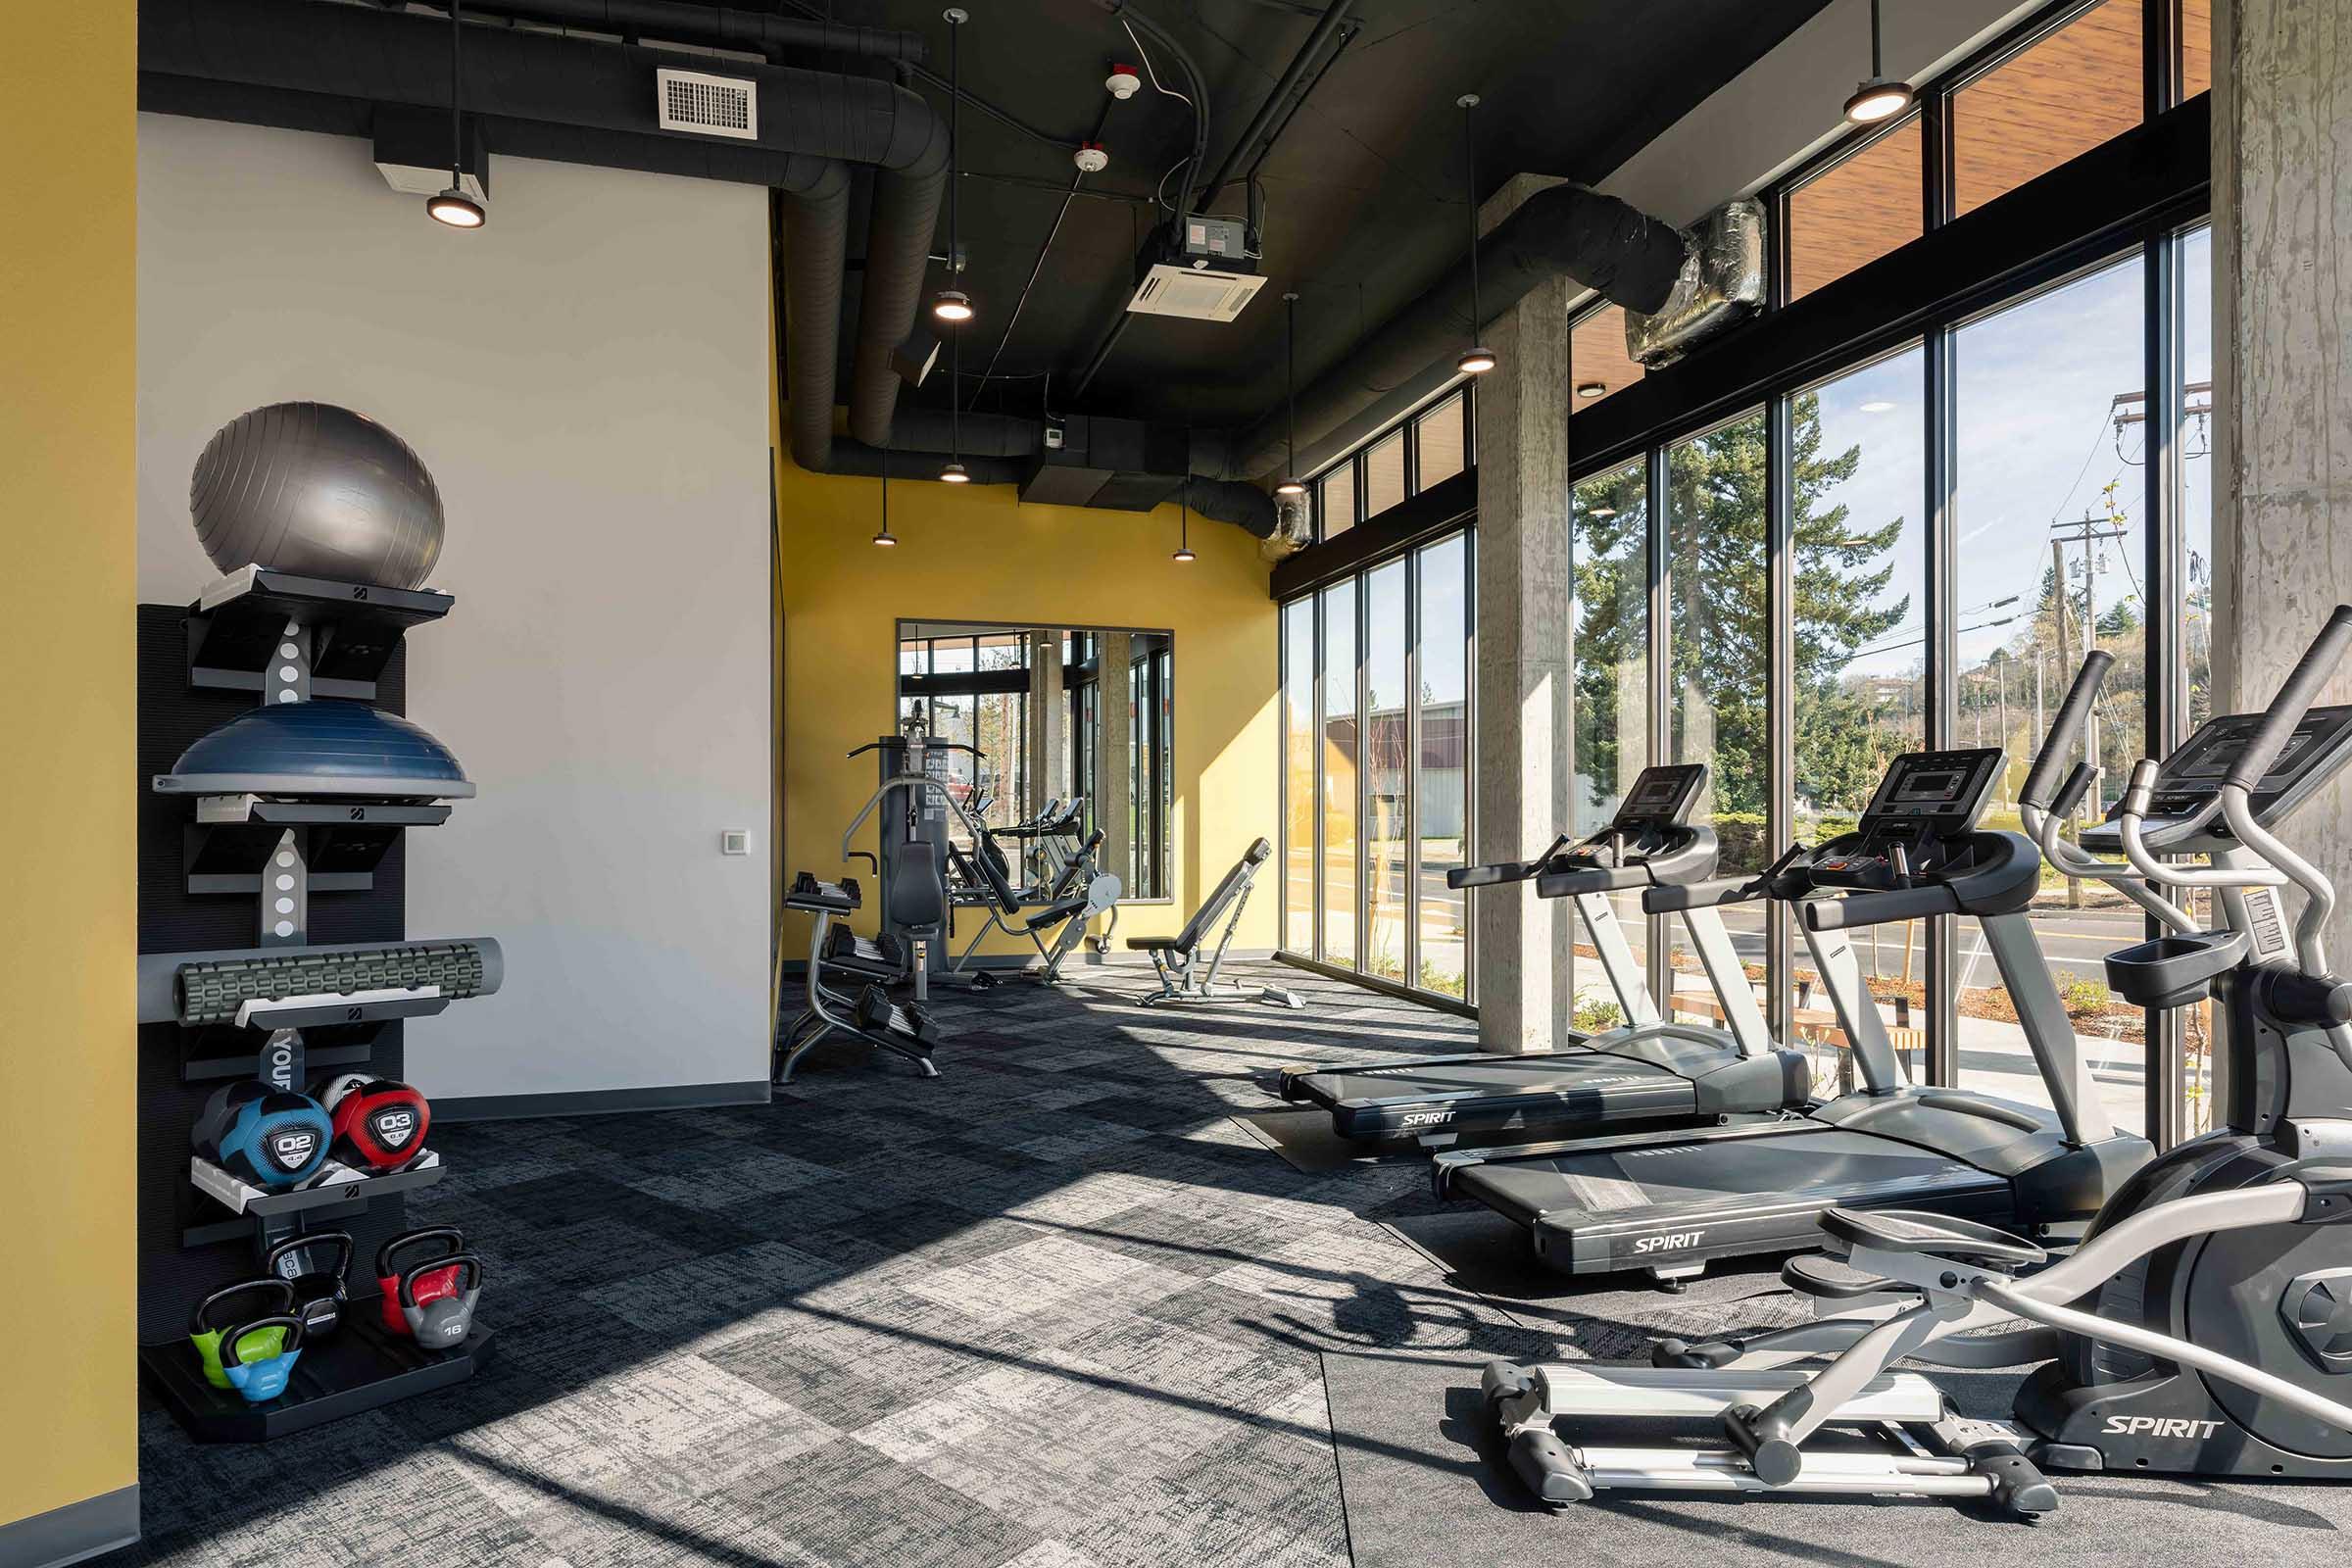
x,y
882,535
1877,98
1292,484
1477,358
453,206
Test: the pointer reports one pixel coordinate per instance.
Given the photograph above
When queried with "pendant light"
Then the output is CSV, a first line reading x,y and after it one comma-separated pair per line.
x,y
952,304
1477,358
1183,522
453,206
1292,484
883,536
1877,98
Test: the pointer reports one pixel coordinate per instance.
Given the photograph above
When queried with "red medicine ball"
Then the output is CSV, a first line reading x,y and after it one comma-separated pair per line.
x,y
380,1120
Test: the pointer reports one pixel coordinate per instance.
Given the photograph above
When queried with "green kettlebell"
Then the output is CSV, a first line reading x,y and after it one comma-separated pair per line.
x,y
207,1325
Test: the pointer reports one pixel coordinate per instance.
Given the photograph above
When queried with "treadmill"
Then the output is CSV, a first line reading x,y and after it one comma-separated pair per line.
x,y
1651,1071
1671,1202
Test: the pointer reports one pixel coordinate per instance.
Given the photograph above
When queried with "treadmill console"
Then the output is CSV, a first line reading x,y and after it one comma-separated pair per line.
x,y
1918,820
2184,817
1662,797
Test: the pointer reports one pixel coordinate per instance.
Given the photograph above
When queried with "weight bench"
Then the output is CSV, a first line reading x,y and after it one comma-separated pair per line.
x,y
1183,976
1066,915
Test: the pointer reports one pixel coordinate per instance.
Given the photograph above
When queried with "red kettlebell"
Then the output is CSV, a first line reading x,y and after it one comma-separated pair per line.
x,y
423,1283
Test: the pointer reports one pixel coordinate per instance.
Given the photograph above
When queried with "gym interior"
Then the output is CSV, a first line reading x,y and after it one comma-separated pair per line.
x,y
1108,783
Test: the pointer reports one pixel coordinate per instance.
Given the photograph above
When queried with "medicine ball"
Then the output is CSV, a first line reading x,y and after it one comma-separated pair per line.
x,y
264,1136
316,489
380,1121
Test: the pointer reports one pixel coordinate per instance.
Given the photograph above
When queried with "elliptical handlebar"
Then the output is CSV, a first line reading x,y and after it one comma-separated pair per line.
x,y
2065,727
2296,694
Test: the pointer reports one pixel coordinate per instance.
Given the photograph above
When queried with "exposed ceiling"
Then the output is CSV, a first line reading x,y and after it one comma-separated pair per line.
x,y
1363,193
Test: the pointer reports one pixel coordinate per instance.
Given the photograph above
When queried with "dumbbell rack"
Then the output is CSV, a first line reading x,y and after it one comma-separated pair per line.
x,y
318,876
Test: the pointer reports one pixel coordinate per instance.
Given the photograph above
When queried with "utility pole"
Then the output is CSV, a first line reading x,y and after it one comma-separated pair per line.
x,y
2088,531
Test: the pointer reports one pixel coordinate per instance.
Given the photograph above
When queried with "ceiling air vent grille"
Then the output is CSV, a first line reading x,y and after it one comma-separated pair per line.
x,y
1195,293
709,106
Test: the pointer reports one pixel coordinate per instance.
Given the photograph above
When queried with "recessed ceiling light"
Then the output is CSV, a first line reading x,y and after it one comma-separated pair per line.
x,y
1877,405
1600,511
1591,389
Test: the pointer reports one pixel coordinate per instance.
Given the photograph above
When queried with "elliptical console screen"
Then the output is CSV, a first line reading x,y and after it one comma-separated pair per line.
x,y
2192,775
1943,790
1662,795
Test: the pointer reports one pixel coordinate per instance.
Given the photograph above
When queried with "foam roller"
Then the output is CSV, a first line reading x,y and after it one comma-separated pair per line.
x,y
213,992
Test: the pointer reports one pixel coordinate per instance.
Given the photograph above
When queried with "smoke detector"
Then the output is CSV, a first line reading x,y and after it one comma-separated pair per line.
x,y
1090,158
1122,84
706,105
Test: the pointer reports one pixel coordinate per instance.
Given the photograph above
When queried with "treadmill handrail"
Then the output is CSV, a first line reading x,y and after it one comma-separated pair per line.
x,y
1862,909
1708,895
1577,881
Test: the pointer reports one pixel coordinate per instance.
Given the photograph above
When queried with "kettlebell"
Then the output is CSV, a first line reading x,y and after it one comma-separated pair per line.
x,y
206,1336
264,1377
437,1279
320,1291
442,1322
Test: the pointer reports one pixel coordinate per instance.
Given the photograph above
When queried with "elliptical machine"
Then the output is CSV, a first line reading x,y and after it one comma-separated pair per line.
x,y
2221,1344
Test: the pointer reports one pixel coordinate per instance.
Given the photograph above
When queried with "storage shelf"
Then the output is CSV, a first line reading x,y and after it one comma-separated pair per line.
x,y
235,628
338,1183
359,1367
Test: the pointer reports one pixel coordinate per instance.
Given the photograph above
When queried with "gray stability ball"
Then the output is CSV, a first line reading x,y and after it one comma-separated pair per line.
x,y
318,490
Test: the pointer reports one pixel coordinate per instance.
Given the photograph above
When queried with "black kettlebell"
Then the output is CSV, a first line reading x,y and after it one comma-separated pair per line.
x,y
319,1288
443,1322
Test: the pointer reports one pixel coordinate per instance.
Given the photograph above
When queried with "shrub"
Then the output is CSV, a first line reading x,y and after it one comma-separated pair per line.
x,y
1596,1016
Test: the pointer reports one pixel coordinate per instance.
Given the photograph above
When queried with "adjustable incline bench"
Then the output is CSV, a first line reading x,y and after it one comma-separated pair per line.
x,y
1183,976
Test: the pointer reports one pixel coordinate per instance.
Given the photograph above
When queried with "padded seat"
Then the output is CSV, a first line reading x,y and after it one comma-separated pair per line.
x,y
1155,944
1054,914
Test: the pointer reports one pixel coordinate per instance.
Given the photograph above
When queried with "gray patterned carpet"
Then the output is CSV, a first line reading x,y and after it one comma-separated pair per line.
x,y
1055,1310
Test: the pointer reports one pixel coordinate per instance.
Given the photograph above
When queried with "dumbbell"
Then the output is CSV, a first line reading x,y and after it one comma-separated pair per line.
x,y
265,1136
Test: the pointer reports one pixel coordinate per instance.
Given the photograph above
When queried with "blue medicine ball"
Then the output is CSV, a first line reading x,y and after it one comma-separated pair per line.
x,y
266,1137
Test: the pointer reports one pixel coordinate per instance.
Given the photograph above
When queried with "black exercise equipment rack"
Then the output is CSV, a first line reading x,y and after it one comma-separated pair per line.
x,y
200,666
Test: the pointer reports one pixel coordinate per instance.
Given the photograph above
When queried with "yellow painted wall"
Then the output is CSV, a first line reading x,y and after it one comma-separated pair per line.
x,y
68,496
976,554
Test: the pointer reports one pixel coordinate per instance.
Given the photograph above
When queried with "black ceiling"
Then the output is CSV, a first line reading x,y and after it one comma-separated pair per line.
x,y
1362,193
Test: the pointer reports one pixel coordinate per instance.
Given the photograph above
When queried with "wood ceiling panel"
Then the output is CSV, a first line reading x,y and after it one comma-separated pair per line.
x,y
1597,352
2070,92
1855,212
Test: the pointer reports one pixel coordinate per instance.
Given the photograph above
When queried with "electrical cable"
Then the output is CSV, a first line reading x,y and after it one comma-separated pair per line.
x,y
1036,268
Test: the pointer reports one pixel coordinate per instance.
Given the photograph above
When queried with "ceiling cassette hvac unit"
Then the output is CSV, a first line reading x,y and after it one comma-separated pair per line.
x,y
706,105
1207,276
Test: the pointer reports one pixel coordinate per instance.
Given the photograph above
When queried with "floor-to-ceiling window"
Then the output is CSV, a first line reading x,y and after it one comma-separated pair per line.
x,y
1299,770
1340,891
1718,651
1609,568
1377,763
1388,770
1935,513
1857,652
2049,560
1441,836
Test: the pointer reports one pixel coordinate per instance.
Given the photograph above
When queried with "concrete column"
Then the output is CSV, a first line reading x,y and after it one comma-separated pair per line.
x,y
2282,368
1111,760
1047,763
1523,624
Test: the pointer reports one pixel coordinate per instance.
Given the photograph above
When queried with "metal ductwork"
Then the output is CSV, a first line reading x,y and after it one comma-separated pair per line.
x,y
311,65
721,26
1113,464
1563,230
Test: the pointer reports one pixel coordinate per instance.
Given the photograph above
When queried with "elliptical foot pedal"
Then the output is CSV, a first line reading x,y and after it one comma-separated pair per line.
x,y
1993,1451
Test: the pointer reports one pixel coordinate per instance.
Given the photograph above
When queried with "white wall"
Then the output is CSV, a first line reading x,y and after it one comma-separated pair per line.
x,y
587,379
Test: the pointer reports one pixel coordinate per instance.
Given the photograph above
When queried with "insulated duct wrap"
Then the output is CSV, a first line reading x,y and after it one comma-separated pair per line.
x,y
1721,282
212,992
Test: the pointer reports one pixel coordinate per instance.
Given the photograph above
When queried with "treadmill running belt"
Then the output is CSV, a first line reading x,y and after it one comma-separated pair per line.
x,y
1685,1201
1498,1093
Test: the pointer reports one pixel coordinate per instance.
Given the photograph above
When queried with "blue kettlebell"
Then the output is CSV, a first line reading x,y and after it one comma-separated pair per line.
x,y
263,1378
